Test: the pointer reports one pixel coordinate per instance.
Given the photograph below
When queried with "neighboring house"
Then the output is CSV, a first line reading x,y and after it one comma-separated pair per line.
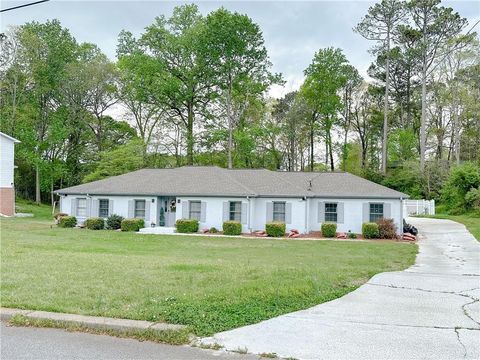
x,y
7,188
213,195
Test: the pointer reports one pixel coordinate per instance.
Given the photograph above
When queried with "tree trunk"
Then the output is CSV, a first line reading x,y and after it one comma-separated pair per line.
x,y
456,133
423,120
385,110
38,198
311,143
190,136
332,165
230,129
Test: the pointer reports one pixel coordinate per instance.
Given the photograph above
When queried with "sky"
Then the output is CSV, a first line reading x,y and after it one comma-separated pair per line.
x,y
293,30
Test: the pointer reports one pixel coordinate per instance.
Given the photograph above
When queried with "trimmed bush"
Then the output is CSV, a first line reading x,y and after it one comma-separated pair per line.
x,y
329,229
67,221
387,229
275,229
351,235
370,230
114,222
95,223
187,225
213,230
232,228
132,224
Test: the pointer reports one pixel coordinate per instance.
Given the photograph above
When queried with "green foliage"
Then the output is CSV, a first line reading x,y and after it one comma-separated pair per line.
x,y
329,229
114,222
275,229
472,199
462,180
187,225
387,228
95,223
213,230
125,158
351,235
132,224
232,228
67,222
370,230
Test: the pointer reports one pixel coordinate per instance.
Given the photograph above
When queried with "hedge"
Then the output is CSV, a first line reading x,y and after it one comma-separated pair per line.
x,y
67,221
232,228
95,223
132,224
187,225
275,229
114,222
370,230
329,229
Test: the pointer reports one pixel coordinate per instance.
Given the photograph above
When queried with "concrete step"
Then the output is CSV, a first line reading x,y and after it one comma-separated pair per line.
x,y
158,230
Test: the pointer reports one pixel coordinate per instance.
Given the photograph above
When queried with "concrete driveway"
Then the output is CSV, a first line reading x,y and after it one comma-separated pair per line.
x,y
429,311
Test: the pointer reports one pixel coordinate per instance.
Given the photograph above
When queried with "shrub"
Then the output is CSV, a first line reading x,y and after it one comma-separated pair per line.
x,y
114,222
329,229
386,228
351,235
67,221
275,229
232,228
95,223
213,230
370,230
472,199
462,179
132,224
187,225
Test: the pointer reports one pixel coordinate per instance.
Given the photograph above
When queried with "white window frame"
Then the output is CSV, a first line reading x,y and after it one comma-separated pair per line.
x,y
81,210
279,215
374,215
235,211
329,213
137,211
100,209
193,213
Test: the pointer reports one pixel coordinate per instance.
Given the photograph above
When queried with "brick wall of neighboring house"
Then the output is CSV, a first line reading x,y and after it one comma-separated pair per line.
x,y
7,201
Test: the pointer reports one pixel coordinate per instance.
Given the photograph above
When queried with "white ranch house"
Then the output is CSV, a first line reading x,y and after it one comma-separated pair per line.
x,y
303,200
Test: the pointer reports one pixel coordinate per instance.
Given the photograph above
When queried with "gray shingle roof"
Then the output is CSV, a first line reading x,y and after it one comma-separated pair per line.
x,y
215,181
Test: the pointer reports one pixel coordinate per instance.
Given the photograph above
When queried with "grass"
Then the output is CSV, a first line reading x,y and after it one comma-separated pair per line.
x,y
471,221
209,284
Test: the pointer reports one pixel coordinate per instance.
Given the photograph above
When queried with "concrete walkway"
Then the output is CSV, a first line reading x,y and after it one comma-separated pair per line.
x,y
429,311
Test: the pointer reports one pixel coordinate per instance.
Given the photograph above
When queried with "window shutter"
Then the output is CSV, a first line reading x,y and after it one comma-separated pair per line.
x,y
387,210
340,212
203,211
131,208
366,212
185,214
95,205
147,210
269,211
110,207
244,213
321,212
288,213
225,211
89,207
73,204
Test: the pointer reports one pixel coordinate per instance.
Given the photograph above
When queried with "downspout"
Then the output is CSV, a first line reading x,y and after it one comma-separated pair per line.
x,y
307,208
400,230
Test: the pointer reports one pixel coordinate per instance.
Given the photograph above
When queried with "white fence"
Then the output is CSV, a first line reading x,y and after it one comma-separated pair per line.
x,y
419,207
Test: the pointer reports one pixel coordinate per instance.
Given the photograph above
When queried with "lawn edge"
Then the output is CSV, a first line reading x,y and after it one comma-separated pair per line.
x,y
136,329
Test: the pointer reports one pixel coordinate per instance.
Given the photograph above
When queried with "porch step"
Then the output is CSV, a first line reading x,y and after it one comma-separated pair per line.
x,y
157,230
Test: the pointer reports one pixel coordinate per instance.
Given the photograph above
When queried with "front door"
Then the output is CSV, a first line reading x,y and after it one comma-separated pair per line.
x,y
166,211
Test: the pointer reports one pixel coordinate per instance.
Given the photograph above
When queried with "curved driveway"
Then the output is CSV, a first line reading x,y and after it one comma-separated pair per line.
x,y
429,311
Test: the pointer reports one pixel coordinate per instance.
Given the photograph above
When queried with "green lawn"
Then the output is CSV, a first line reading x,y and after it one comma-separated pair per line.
x,y
211,284
471,221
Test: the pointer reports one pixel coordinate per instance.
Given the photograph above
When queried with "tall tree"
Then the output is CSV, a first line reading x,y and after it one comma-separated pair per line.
x,y
325,76
378,25
434,26
236,51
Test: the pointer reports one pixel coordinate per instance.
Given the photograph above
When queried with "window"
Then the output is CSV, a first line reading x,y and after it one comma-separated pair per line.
x,y
376,212
103,208
331,212
81,207
195,209
140,209
236,210
278,211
